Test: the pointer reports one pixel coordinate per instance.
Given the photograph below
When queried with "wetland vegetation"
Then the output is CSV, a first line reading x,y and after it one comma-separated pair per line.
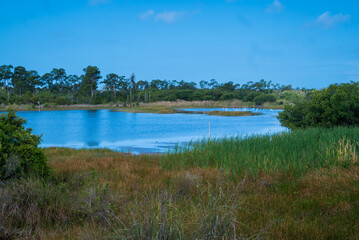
x,y
105,194
300,184
171,110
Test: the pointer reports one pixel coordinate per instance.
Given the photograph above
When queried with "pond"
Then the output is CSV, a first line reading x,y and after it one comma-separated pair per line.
x,y
143,132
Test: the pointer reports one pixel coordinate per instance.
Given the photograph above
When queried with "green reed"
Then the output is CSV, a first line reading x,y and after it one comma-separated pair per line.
x,y
295,151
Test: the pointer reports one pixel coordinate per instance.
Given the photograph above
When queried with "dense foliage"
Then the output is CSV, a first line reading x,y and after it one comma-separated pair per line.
x,y
21,86
19,152
337,105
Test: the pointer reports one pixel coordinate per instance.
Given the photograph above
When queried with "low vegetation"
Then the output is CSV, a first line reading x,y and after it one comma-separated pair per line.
x,y
291,152
337,105
19,152
231,113
296,185
171,110
302,184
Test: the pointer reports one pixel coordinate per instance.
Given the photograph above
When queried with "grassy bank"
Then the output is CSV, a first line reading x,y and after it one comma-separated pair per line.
x,y
31,107
170,110
300,185
154,107
216,104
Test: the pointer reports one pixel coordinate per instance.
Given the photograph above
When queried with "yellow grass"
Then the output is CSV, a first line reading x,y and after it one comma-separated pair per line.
x,y
321,204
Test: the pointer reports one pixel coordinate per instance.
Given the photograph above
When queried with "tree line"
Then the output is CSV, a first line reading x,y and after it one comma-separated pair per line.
x,y
22,86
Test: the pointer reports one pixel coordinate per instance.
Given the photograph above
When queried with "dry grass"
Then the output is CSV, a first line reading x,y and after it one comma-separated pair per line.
x,y
211,104
231,113
148,109
145,201
33,107
163,106
209,203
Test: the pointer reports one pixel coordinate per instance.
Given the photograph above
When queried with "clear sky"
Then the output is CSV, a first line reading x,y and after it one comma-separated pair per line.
x,y
307,43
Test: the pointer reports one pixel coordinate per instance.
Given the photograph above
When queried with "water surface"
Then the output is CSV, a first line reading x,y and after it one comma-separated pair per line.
x,y
142,132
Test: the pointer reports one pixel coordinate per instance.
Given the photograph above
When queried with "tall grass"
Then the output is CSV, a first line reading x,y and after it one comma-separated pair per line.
x,y
292,152
101,194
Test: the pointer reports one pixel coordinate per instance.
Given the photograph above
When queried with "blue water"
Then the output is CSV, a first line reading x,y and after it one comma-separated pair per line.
x,y
141,132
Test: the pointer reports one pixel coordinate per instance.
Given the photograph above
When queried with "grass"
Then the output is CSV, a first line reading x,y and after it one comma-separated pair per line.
x,y
148,109
154,107
300,185
294,152
231,113
216,104
32,107
170,110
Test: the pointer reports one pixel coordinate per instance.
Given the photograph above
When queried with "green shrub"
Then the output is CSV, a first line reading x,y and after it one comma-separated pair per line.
x,y
19,152
62,101
170,97
337,105
250,96
227,96
263,98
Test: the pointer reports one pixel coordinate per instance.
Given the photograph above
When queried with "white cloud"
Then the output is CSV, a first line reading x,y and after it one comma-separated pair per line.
x,y
327,20
169,17
98,2
275,7
147,14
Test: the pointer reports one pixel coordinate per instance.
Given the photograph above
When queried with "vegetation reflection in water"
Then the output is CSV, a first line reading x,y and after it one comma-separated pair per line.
x,y
142,132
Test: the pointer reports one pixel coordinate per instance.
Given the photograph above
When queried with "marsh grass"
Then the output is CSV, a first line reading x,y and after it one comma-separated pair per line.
x,y
101,194
148,109
213,104
231,113
169,110
295,152
54,107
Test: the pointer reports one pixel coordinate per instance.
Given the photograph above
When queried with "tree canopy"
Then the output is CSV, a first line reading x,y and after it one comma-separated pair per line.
x,y
22,86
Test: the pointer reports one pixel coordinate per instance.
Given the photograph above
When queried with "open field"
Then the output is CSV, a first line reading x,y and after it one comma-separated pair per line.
x,y
302,185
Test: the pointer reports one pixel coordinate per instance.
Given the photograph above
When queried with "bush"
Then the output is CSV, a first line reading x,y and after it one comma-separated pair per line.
x,y
62,101
171,97
250,96
263,98
227,96
337,105
19,152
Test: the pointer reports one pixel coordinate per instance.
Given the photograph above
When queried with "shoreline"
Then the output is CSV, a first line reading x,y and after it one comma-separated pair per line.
x,y
155,105
165,110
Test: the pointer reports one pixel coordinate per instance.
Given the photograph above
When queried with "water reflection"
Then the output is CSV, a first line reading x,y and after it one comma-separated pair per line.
x,y
92,126
141,132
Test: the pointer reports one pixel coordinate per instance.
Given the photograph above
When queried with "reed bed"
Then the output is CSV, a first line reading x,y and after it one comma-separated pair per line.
x,y
291,152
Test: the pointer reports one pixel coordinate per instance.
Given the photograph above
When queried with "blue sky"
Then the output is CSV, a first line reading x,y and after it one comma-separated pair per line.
x,y
303,43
